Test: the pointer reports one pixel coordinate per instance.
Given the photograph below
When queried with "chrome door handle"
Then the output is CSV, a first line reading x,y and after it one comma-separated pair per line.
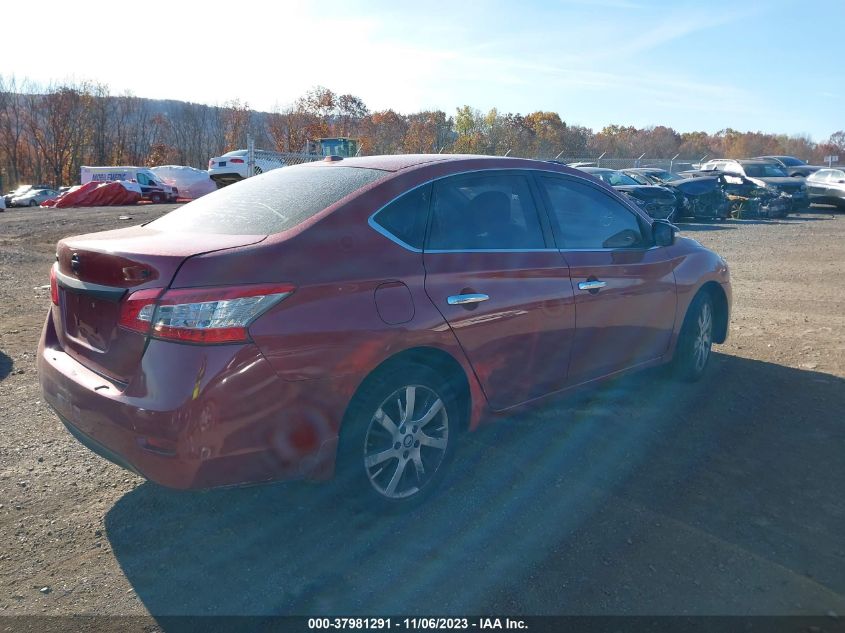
x,y
591,285
459,300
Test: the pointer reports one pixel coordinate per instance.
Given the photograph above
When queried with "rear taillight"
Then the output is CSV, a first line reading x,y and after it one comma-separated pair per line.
x,y
200,315
210,164
239,161
54,286
136,311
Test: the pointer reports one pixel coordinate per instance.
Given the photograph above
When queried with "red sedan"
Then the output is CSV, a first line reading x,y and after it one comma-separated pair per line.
x,y
357,315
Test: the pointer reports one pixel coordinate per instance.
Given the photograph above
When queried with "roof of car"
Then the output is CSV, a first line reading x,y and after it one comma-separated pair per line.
x,y
752,161
397,162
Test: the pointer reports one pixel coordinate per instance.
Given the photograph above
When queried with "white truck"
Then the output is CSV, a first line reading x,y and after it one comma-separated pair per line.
x,y
152,188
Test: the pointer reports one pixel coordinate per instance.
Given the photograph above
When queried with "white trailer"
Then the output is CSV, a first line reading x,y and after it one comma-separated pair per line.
x,y
152,188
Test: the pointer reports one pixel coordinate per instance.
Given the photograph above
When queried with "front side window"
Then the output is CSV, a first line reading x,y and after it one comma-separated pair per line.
x,y
404,219
586,218
764,170
484,212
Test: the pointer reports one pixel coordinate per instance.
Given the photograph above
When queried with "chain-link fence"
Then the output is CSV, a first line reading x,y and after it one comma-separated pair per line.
x,y
260,161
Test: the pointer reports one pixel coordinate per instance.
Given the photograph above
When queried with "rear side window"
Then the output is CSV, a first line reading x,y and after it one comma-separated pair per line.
x,y
271,203
484,213
404,219
586,218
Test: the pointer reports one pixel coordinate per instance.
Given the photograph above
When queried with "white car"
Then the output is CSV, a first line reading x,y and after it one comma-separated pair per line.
x,y
34,197
232,166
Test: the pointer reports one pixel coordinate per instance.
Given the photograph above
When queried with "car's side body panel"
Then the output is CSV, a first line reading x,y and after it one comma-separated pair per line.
x,y
627,322
519,338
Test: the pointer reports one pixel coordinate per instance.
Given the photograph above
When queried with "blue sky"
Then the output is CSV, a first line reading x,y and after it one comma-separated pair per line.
x,y
705,65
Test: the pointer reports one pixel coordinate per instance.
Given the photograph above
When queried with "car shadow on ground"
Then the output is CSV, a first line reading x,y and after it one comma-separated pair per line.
x,y
643,495
6,365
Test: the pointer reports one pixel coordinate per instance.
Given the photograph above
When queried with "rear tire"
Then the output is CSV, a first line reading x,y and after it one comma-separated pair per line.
x,y
156,198
33,203
392,456
695,340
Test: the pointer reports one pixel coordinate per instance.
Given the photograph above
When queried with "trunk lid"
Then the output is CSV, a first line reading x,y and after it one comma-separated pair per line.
x,y
96,273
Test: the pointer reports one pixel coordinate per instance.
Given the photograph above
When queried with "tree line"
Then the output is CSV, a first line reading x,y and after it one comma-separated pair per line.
x,y
48,132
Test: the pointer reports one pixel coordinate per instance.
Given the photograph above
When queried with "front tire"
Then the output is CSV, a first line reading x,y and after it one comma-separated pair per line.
x,y
696,340
398,438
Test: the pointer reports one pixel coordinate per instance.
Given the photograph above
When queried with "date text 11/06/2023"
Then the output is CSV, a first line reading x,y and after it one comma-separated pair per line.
x,y
416,623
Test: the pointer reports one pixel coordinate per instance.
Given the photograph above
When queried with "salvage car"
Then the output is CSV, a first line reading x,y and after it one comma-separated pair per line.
x,y
827,186
701,198
658,202
767,175
791,165
746,197
232,166
34,197
261,334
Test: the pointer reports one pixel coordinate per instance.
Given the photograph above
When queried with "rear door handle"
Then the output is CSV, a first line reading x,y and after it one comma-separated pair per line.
x,y
459,300
591,285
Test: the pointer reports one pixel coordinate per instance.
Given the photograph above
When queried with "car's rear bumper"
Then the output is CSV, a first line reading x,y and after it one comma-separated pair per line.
x,y
226,177
197,416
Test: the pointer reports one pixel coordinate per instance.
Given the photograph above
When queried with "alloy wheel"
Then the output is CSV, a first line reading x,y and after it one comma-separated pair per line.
x,y
704,336
406,441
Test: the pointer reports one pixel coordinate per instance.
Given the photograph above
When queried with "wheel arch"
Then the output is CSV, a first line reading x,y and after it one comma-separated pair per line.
x,y
720,309
438,359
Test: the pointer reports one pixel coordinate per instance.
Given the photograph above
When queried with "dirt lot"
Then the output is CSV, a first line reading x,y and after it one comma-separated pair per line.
x,y
640,497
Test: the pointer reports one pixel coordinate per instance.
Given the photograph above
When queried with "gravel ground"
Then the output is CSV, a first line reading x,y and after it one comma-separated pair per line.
x,y
642,496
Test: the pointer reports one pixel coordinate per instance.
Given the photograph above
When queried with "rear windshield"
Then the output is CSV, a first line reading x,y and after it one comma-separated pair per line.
x,y
270,203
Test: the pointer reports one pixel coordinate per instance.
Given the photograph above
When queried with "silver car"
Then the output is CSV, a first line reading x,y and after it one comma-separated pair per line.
x,y
34,197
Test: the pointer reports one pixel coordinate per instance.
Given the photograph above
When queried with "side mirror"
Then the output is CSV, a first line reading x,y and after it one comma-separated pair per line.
x,y
663,232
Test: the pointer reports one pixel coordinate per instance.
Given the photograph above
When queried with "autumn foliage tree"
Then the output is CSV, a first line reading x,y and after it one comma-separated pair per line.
x,y
47,133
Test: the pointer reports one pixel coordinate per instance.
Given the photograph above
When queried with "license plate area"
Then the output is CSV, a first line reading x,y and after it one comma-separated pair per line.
x,y
222,163
88,320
